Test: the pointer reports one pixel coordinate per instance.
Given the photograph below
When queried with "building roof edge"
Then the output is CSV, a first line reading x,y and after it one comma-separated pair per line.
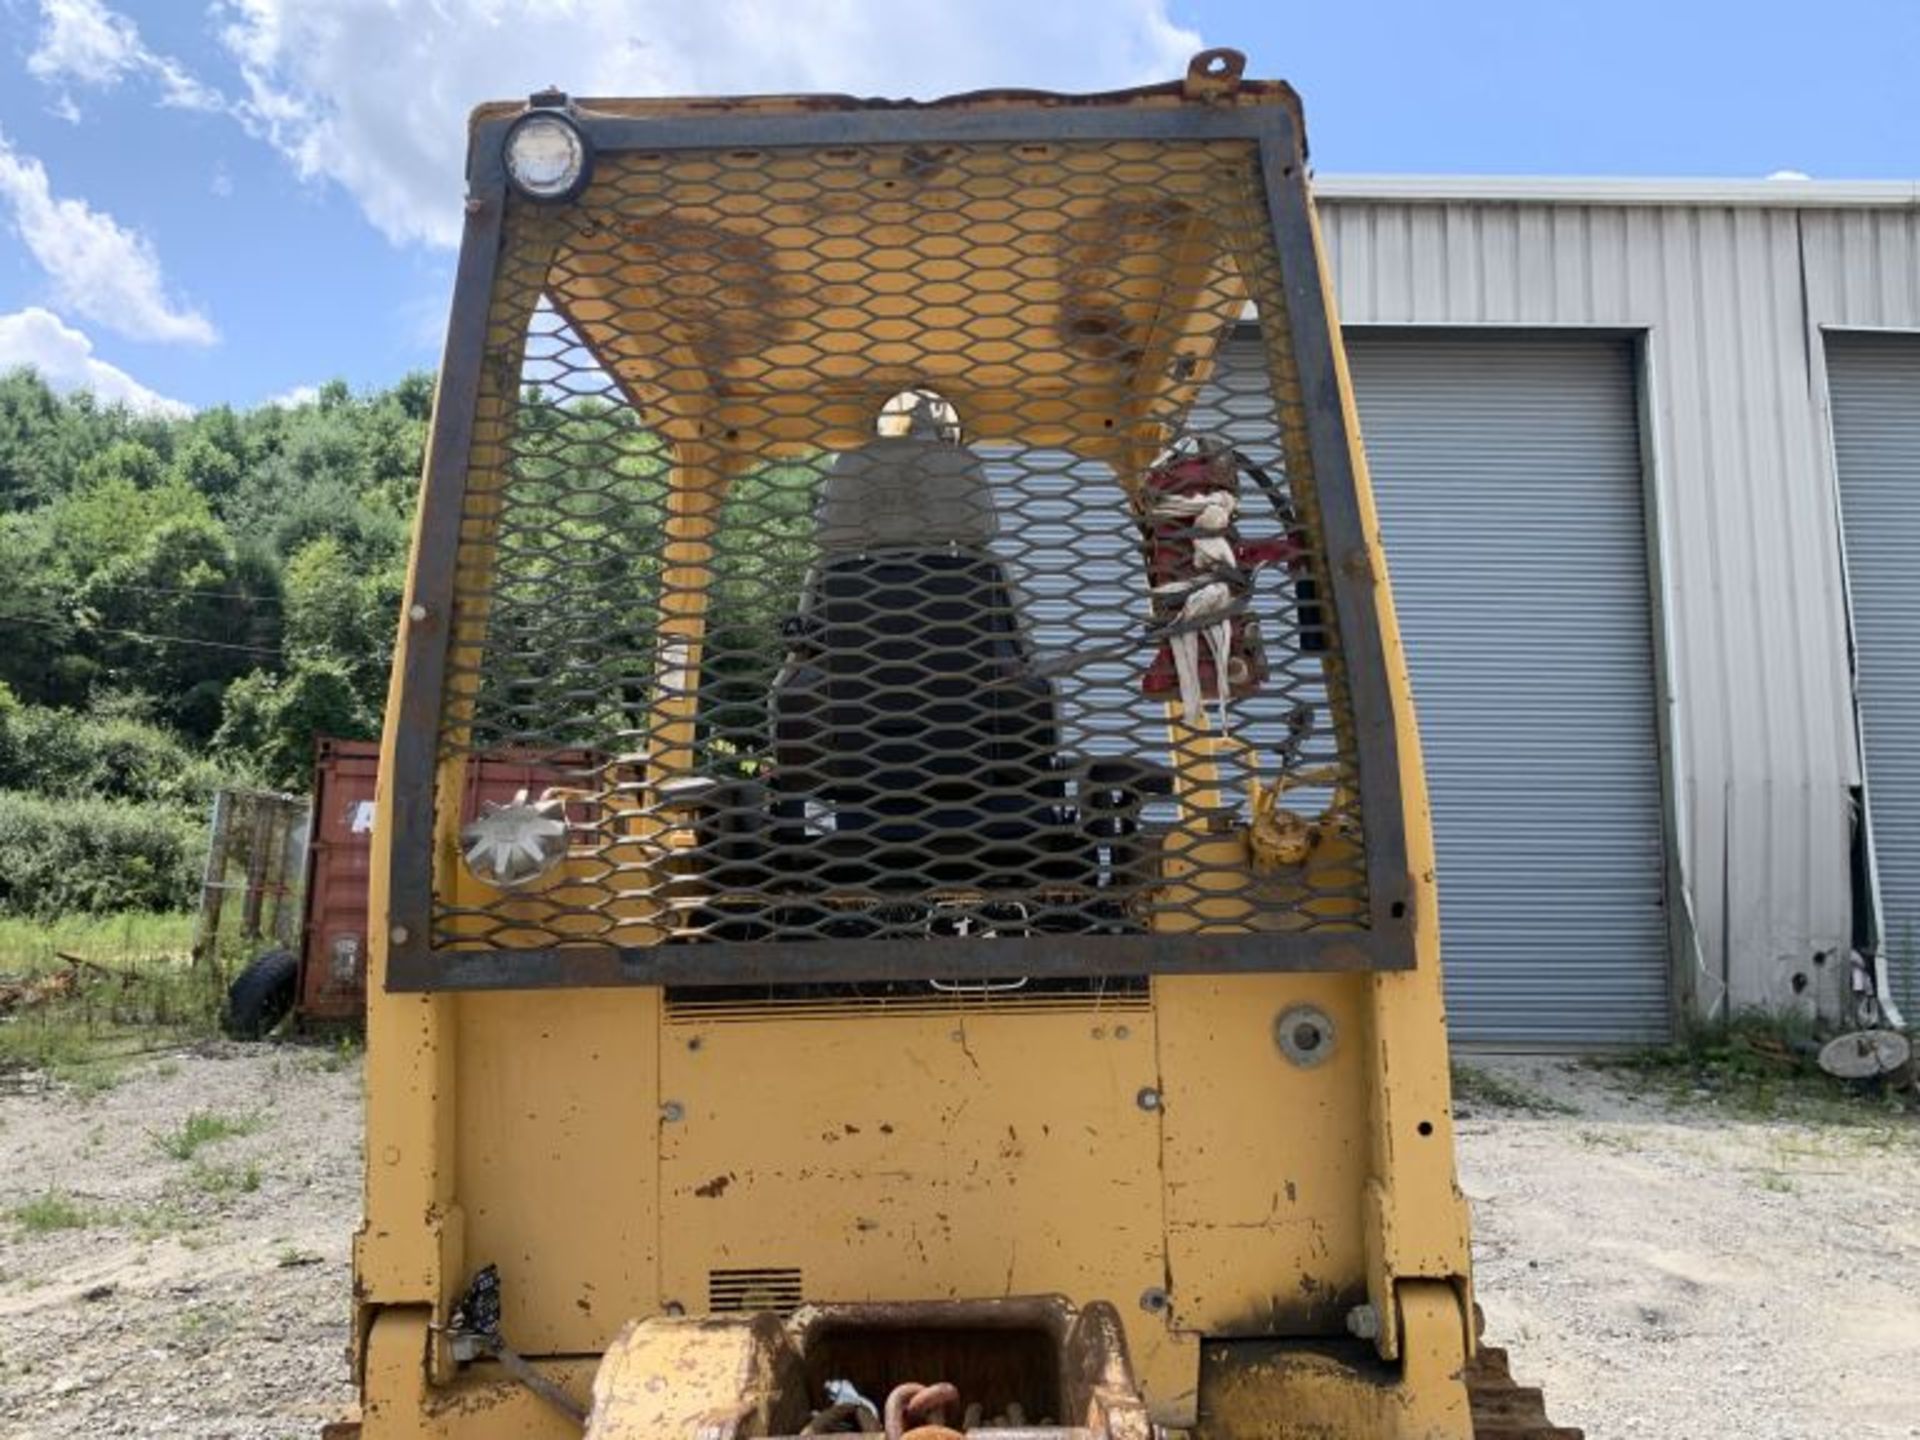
x,y
1784,194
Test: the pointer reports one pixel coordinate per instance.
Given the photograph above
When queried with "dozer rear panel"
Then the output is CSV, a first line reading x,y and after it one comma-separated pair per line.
x,y
977,918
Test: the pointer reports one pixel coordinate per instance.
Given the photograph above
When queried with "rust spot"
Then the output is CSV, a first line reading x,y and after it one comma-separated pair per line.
x,y
714,1187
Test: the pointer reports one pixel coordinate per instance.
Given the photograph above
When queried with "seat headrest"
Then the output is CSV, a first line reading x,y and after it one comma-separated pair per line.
x,y
906,490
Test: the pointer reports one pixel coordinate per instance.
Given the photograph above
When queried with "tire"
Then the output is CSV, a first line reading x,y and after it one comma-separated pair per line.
x,y
261,995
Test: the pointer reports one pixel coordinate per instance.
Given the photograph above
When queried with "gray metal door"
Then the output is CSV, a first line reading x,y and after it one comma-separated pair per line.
x,y
1874,382
1508,478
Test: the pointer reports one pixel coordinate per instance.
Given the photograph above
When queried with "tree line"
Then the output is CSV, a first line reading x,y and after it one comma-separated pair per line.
x,y
188,602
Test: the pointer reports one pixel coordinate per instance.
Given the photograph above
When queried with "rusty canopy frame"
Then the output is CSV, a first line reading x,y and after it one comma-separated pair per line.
x,y
1385,942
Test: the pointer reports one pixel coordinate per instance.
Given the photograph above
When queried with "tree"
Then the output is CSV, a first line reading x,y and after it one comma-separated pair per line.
x,y
271,723
207,467
179,617
336,611
133,462
225,585
47,441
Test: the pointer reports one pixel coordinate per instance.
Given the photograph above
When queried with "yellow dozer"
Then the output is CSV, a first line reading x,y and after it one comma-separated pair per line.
x,y
964,956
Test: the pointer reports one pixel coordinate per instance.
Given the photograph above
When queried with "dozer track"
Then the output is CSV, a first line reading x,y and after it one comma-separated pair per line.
x,y
1503,1410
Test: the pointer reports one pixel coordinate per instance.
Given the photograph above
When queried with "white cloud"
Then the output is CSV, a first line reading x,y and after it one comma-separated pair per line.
x,y
99,268
65,359
84,43
295,397
180,89
374,95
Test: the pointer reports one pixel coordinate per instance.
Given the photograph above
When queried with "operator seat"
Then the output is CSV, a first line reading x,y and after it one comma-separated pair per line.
x,y
915,746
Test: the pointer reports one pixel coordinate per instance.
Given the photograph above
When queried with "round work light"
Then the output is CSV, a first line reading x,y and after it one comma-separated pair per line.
x,y
547,156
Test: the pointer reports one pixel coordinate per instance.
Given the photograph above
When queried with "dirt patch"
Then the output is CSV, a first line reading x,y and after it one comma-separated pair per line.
x,y
174,1253
1666,1270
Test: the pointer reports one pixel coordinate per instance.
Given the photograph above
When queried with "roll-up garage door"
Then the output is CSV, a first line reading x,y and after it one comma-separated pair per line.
x,y
1874,382
1508,478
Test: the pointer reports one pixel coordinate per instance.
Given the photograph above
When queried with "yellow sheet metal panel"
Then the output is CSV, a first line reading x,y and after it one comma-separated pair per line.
x,y
1415,1214
1265,1155
558,1159
933,1156
950,1155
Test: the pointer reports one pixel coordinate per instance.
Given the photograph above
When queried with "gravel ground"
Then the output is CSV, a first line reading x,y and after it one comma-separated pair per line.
x,y
1662,1268
199,1297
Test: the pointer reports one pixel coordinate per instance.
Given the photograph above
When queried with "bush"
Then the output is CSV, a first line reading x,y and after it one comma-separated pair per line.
x,y
271,721
112,756
84,854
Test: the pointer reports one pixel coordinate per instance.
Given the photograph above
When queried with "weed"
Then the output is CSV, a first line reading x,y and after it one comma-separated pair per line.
x,y
1618,1141
92,1079
156,1219
1499,1092
1777,1182
343,1053
130,989
28,945
225,1179
51,1210
1758,1066
62,1051
203,1127
205,1326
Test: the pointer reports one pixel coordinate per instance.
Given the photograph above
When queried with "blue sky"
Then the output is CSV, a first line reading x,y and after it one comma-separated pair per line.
x,y
228,202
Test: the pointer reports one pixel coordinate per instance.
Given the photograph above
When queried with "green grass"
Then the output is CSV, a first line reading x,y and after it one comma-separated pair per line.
x,y
159,1219
1497,1092
29,946
49,1211
134,992
225,1179
202,1128
341,1054
206,1326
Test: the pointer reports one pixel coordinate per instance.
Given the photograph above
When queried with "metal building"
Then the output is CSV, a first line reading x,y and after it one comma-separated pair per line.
x,y
1647,457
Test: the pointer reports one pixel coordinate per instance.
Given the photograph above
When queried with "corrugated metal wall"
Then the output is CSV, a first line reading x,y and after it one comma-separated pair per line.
x,y
1730,299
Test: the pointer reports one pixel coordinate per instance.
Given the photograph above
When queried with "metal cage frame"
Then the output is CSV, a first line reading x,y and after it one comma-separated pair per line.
x,y
1384,942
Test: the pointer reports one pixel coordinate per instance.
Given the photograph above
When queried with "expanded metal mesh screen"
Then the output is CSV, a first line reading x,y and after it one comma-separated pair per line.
x,y
822,549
